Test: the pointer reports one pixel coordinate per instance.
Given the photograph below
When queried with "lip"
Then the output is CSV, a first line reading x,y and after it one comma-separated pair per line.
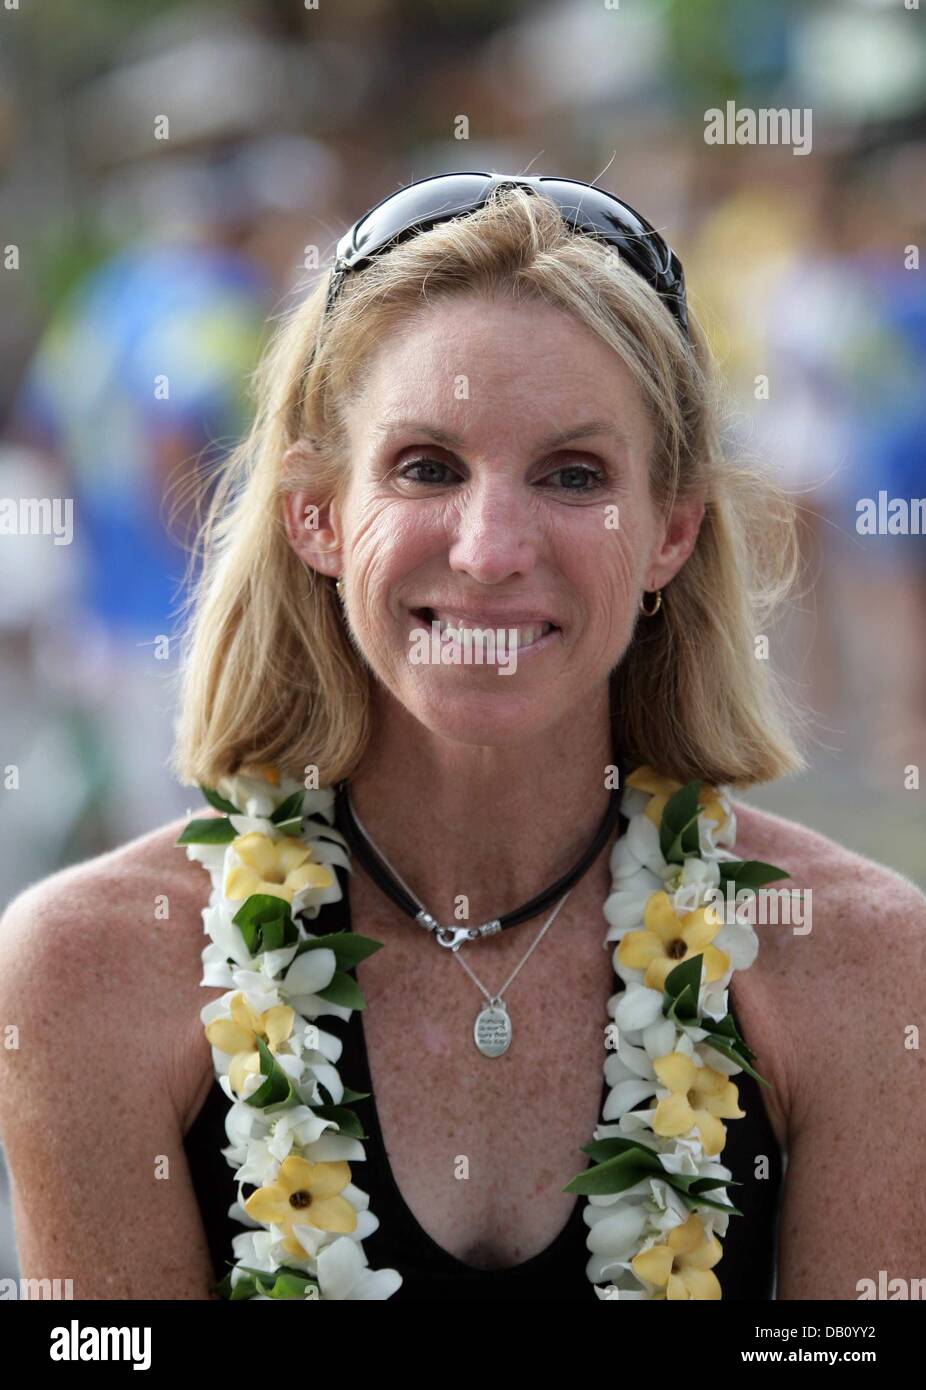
x,y
416,617
522,618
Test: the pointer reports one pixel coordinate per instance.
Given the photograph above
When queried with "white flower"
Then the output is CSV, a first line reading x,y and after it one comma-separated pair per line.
x,y
636,1007
623,908
639,848
256,795
622,1224
343,1273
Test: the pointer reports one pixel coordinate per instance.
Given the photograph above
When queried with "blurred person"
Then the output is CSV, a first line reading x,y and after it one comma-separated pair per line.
x,y
141,370
44,733
447,428
775,310
135,381
881,573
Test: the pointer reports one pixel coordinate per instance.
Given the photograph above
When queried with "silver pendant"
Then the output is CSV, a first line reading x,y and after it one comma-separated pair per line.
x,y
492,1030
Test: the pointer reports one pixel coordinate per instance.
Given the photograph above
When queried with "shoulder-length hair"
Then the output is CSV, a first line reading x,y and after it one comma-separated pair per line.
x,y
269,674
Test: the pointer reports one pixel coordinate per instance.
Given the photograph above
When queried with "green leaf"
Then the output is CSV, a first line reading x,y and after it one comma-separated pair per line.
x,y
749,873
694,1202
350,1096
693,1189
681,989
219,802
730,1050
348,947
290,1286
244,1288
277,1089
292,827
686,842
343,990
277,933
679,812
726,1038
283,1282
625,1170
265,923
601,1149
616,1174
288,810
691,1182
216,830
345,1119
726,1028
607,1178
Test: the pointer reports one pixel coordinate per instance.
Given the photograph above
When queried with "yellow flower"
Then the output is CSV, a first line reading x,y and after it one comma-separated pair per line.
x,y
278,867
305,1194
683,1266
699,1096
668,939
645,779
239,1035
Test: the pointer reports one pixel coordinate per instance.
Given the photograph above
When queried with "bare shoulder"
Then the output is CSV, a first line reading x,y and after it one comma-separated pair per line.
x,y
851,944
844,1001
844,883
123,929
104,1066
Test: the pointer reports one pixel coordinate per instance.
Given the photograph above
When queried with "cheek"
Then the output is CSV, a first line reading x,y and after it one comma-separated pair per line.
x,y
390,543
608,582
600,557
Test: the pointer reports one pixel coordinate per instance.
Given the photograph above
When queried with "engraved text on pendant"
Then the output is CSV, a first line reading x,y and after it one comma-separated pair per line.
x,y
492,1031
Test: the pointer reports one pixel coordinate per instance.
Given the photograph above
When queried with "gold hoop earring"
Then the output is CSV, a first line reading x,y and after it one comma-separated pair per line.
x,y
651,612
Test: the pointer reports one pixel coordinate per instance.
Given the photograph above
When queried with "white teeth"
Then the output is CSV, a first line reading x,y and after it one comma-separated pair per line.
x,y
528,633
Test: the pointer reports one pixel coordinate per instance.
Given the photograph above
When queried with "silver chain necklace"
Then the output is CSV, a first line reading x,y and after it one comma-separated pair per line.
x,y
492,1029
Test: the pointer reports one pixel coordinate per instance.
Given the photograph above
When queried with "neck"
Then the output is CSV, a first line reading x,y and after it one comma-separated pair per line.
x,y
498,823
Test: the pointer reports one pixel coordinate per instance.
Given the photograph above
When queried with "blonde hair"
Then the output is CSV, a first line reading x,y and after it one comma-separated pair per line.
x,y
270,674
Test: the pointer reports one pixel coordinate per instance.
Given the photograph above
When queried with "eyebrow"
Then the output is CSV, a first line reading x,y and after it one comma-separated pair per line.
x,y
552,441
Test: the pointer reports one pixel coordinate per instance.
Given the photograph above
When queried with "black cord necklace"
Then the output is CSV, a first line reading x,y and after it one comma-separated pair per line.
x,y
454,936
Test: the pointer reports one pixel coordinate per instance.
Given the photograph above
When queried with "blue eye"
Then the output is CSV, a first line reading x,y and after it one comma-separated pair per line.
x,y
594,478
421,463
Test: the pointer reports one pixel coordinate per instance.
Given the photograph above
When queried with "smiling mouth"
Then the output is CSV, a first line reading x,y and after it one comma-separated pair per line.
x,y
528,633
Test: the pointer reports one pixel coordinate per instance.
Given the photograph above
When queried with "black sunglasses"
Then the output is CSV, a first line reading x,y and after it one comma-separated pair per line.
x,y
584,208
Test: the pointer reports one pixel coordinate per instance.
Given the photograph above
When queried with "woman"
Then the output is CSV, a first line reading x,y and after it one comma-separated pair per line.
x,y
499,421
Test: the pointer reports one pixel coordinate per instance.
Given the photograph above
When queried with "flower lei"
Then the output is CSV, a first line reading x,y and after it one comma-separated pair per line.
x,y
656,1198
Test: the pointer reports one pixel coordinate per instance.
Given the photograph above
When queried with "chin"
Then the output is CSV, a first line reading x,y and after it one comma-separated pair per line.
x,y
481,720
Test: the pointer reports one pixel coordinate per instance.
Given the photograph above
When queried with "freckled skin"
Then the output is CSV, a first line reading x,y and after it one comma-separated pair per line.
x,y
470,787
528,371
508,768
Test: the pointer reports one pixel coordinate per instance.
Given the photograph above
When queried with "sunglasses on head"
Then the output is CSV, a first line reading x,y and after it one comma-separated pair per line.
x,y
584,208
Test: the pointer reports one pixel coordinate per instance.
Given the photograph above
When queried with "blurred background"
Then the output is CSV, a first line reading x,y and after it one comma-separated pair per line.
x,y
171,171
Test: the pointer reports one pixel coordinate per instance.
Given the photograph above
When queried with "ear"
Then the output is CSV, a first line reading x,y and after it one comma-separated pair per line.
x,y
680,533
312,526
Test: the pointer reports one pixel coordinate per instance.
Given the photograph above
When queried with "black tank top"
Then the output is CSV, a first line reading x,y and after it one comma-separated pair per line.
x,y
746,1270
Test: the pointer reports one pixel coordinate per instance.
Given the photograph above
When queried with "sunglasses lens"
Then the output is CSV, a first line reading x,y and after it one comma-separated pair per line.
x,y
594,210
585,208
431,200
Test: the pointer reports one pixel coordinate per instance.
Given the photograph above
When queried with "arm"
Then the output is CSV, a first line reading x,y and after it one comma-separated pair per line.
x,y
854,1200
85,1109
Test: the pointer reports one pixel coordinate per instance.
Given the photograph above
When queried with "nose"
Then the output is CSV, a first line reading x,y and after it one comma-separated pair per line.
x,y
497,530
